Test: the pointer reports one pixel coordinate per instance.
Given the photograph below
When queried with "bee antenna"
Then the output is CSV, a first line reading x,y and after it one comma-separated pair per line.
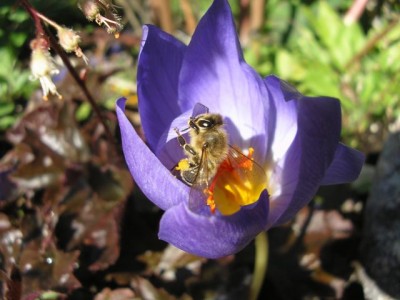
x,y
181,131
184,130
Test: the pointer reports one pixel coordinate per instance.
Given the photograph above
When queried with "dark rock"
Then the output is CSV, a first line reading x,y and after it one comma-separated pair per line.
x,y
380,247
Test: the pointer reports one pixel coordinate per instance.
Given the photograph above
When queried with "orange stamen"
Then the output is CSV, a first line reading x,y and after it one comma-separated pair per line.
x,y
248,163
226,166
210,200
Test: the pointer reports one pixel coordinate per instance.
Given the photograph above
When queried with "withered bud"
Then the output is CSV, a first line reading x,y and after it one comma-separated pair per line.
x,y
103,13
68,39
90,9
43,67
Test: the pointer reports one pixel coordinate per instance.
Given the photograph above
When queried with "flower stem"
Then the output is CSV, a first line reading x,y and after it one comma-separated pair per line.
x,y
162,9
371,43
260,264
48,21
33,13
190,20
57,48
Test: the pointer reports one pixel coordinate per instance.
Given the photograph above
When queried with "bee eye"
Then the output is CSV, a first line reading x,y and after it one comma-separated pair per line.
x,y
205,124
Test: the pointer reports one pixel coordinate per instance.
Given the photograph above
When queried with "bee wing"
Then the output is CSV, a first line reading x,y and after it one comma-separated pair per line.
x,y
197,196
248,168
249,174
243,174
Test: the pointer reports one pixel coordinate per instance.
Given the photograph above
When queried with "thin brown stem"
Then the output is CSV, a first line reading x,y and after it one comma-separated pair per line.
x,y
371,43
48,21
244,21
36,16
257,9
56,47
33,13
162,9
190,20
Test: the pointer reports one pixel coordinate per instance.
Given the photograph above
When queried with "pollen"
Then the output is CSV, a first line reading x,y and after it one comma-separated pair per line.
x,y
183,164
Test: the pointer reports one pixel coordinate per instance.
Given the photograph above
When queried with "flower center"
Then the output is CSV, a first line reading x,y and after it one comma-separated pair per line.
x,y
238,182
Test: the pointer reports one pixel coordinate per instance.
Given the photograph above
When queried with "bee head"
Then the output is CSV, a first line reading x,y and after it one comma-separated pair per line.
x,y
205,122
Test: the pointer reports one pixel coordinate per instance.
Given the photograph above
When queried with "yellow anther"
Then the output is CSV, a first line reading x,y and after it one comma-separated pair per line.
x,y
250,154
238,182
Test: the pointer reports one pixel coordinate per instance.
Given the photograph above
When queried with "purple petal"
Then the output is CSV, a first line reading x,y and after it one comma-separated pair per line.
x,y
282,119
345,167
215,74
168,150
211,236
309,156
156,182
159,65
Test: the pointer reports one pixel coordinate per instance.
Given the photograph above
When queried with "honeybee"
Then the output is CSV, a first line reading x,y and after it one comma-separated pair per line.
x,y
210,159
207,149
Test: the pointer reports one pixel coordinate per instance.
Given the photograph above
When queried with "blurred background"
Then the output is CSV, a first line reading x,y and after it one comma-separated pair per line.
x,y
72,223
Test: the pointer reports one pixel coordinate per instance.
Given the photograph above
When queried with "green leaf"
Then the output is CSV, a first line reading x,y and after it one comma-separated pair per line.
x,y
83,111
7,61
18,16
288,66
368,86
6,122
320,80
389,58
325,22
18,38
6,108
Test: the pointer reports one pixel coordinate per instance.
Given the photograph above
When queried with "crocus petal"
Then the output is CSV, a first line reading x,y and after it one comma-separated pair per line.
x,y
211,236
345,167
156,182
168,150
157,79
309,156
282,118
295,137
215,74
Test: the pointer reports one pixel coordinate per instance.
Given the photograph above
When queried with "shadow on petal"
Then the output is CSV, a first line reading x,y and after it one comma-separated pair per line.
x,y
159,66
156,182
214,236
345,167
309,156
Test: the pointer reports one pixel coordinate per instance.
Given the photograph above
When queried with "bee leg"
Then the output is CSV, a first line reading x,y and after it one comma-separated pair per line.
x,y
189,149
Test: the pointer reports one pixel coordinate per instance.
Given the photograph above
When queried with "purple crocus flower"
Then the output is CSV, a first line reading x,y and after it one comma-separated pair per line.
x,y
295,138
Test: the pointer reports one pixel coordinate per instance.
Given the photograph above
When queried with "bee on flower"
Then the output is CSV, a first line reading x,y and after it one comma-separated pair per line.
x,y
215,170
249,163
